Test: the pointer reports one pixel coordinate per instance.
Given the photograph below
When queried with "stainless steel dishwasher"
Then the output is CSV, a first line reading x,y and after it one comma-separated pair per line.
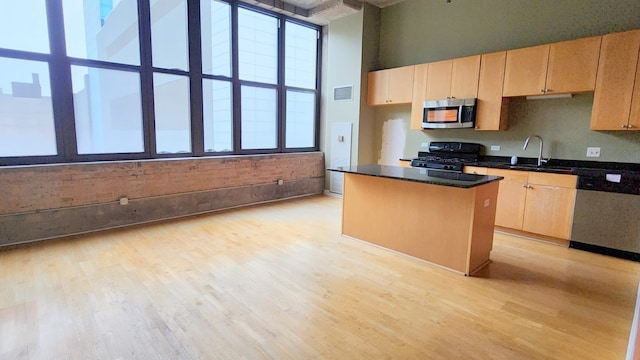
x,y
607,214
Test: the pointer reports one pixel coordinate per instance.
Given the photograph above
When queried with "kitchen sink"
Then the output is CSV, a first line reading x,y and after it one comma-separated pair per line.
x,y
533,167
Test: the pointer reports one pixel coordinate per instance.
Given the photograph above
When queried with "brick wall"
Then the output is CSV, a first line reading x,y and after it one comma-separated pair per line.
x,y
37,195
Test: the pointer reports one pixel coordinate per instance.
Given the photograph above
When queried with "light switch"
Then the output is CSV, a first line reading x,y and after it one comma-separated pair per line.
x,y
341,138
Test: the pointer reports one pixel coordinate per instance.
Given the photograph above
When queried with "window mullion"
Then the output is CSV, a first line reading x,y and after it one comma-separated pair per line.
x,y
61,88
146,78
281,85
195,76
236,102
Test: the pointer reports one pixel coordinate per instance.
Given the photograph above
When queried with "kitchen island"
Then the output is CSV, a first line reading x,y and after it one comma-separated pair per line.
x,y
445,218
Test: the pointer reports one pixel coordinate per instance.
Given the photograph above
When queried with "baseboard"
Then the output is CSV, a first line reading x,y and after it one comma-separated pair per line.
x,y
332,194
532,236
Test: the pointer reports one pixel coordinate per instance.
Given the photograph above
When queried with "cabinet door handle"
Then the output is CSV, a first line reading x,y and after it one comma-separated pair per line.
x,y
542,91
525,186
624,126
629,126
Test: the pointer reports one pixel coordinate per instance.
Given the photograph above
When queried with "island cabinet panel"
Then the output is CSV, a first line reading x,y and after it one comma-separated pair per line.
x,y
481,242
526,71
390,86
492,109
617,74
444,225
573,65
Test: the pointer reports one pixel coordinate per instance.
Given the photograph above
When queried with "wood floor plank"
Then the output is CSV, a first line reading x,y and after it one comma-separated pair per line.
x,y
278,281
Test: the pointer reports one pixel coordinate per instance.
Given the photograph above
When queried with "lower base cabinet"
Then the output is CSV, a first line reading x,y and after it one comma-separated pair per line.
x,y
535,202
549,210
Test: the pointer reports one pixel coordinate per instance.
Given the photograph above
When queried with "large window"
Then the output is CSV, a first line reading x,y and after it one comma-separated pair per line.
x,y
98,80
300,82
108,110
26,114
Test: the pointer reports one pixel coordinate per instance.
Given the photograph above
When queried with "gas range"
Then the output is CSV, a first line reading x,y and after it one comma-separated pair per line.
x,y
447,156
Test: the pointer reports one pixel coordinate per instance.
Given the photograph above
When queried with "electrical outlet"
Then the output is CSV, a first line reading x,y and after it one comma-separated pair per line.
x,y
425,145
495,147
593,152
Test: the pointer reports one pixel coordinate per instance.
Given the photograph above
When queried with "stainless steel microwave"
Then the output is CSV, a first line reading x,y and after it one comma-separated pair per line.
x,y
449,114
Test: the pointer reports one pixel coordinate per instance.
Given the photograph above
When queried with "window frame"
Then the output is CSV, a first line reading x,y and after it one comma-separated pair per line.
x,y
60,64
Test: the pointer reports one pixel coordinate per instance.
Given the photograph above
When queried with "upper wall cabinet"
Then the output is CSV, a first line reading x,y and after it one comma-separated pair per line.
x,y
492,109
390,86
526,71
457,78
563,67
419,94
616,103
573,65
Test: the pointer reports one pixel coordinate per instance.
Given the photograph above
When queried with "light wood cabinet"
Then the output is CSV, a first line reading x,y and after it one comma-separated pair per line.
x,y
634,117
390,86
562,67
549,210
573,65
616,101
512,195
526,71
439,80
536,202
419,95
465,76
456,78
492,109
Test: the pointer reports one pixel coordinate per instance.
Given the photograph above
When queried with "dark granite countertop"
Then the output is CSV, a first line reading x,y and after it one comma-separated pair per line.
x,y
573,167
427,176
592,175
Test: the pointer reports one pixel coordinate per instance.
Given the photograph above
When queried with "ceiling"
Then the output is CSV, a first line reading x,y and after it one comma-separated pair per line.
x,y
319,12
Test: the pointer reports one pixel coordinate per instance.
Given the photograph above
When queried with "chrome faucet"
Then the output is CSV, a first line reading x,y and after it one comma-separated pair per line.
x,y
540,159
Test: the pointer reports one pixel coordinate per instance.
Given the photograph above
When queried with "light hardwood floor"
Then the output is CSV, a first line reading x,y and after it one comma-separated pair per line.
x,y
279,281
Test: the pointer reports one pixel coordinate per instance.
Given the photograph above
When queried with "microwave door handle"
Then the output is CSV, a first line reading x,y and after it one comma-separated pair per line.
x,y
460,108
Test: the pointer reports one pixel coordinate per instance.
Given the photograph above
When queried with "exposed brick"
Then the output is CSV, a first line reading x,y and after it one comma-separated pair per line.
x,y
33,188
